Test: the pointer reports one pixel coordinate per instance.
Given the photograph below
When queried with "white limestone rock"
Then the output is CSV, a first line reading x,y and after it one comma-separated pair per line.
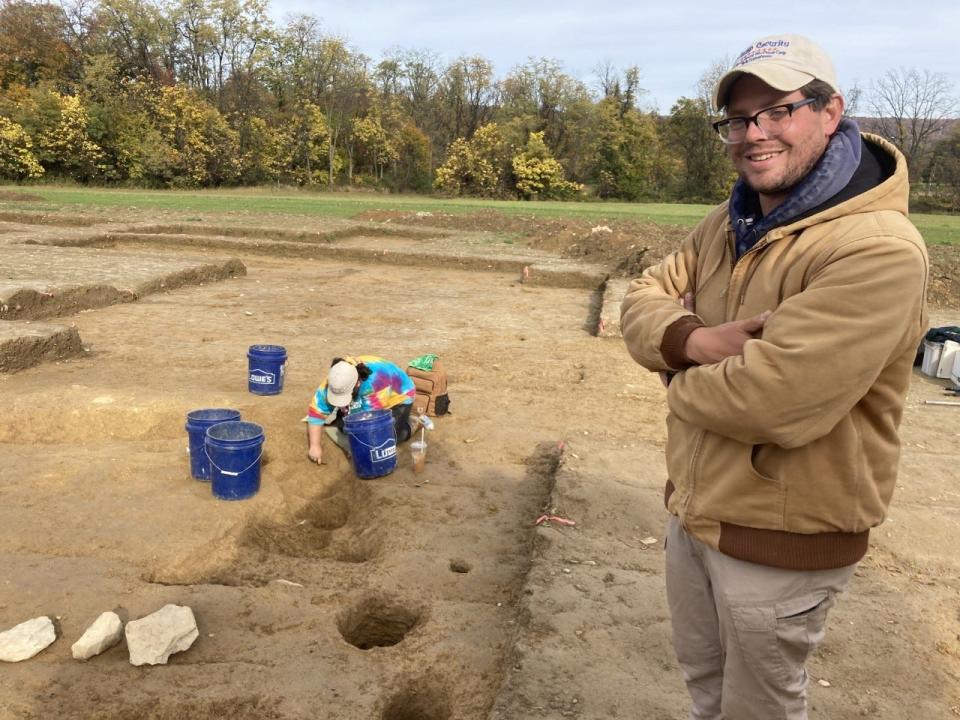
x,y
105,632
151,640
26,639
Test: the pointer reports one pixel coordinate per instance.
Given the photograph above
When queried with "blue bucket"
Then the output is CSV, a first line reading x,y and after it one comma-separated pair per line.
x,y
234,449
373,442
265,366
197,423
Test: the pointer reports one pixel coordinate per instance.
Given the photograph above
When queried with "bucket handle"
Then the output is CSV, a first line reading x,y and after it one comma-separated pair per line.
x,y
228,472
369,447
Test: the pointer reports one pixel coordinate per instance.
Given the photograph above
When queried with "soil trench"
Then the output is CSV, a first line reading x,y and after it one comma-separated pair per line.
x,y
429,596
323,594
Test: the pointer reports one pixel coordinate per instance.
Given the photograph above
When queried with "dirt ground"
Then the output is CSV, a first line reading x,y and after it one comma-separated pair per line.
x,y
628,246
409,597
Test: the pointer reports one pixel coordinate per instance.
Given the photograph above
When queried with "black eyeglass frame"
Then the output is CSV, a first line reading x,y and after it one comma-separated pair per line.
x,y
789,107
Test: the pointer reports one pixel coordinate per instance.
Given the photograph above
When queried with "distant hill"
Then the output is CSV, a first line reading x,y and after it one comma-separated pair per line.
x,y
874,125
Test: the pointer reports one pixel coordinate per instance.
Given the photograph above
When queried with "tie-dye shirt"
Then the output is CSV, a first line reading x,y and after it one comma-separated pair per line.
x,y
387,386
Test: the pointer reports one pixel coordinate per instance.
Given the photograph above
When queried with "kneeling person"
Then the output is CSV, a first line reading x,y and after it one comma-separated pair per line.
x,y
354,385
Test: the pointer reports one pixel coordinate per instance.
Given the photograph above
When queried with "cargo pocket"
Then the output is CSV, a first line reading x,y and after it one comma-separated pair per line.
x,y
776,640
800,626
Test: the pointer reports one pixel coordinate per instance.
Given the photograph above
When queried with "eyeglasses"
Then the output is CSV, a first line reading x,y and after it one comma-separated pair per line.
x,y
773,121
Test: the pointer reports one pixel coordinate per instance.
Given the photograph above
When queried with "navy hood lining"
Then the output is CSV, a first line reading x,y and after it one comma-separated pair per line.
x,y
822,187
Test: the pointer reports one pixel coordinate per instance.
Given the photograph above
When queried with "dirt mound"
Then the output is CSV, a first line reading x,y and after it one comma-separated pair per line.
x,y
944,288
626,247
490,220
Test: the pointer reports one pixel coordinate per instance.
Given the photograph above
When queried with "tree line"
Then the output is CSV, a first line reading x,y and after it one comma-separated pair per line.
x,y
208,93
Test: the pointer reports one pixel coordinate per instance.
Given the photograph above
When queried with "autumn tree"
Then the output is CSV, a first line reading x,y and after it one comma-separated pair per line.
x,y
624,147
420,73
542,90
140,34
466,97
17,160
911,108
66,144
411,170
623,90
622,140
474,166
373,145
538,175
945,171
58,127
266,152
81,26
35,44
702,172
339,84
109,112
206,147
167,136
195,49
207,92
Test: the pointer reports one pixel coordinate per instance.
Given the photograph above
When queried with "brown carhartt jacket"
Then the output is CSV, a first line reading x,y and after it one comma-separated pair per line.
x,y
787,454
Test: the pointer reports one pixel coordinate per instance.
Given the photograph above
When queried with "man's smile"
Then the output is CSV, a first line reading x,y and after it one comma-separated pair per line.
x,y
761,156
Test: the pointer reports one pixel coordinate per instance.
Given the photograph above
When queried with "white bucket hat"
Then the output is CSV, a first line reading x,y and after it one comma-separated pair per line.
x,y
784,62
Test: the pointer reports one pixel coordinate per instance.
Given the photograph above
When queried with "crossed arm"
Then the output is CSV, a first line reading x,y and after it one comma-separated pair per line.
x,y
706,345
789,376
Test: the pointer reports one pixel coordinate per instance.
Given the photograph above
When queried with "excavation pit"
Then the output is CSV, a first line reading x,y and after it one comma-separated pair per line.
x,y
459,566
377,621
416,703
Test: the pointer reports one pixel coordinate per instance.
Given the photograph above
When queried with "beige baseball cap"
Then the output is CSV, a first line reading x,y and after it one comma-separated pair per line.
x,y
340,383
784,62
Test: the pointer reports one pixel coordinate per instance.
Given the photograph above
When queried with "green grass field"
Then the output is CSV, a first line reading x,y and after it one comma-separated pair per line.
x,y
936,229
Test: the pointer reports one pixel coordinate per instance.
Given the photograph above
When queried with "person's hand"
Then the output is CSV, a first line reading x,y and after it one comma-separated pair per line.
x,y
707,345
316,454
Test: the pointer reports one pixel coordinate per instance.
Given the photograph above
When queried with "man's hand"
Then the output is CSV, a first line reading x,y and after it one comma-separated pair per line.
x,y
708,345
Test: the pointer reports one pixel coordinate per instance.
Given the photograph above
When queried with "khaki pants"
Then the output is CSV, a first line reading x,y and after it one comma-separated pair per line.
x,y
742,632
339,437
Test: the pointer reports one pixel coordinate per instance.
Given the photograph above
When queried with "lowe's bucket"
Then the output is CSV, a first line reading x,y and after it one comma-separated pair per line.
x,y
266,365
235,449
197,423
373,442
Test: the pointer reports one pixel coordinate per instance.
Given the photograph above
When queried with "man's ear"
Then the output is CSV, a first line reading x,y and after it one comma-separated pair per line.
x,y
833,114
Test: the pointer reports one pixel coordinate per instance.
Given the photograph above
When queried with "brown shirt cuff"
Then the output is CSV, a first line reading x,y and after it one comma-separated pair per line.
x,y
674,340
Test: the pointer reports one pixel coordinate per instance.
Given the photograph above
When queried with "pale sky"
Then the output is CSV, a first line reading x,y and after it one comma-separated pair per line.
x,y
672,41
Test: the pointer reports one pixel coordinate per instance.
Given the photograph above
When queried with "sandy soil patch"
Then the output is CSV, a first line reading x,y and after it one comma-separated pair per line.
x,y
428,596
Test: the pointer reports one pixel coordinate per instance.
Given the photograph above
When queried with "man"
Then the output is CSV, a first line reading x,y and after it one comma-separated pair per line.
x,y
787,324
359,384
